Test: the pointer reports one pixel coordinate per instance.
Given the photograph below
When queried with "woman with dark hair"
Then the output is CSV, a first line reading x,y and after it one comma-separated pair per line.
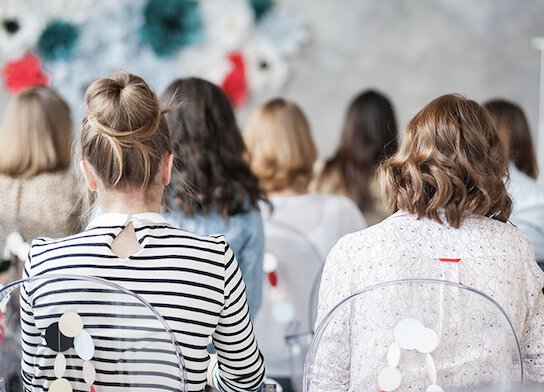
x,y
527,195
213,190
451,223
368,137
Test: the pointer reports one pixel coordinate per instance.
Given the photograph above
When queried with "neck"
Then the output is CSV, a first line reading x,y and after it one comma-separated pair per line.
x,y
129,203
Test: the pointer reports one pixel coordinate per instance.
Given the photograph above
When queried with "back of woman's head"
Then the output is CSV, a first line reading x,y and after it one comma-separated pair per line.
x,y
124,135
514,129
368,137
209,166
451,160
36,133
281,149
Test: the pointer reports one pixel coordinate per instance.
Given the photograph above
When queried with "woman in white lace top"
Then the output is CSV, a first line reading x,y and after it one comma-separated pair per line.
x,y
445,183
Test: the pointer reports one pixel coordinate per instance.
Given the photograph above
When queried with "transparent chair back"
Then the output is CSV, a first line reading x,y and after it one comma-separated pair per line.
x,y
288,307
87,334
415,335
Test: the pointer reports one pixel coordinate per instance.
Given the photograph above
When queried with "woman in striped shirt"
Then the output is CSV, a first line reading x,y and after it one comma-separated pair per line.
x,y
193,281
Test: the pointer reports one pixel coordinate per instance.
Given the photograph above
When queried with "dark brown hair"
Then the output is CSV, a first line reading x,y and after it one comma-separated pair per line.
x,y
514,128
368,137
124,134
209,166
451,160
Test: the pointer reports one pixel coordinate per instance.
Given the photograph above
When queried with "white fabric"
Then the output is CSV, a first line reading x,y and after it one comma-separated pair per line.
x,y
495,258
528,212
299,232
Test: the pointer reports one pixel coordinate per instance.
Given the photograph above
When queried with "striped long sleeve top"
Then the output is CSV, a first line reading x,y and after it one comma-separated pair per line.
x,y
193,281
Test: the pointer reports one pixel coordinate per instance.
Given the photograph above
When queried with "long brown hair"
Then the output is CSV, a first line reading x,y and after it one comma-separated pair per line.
x,y
512,124
368,137
36,134
451,160
209,167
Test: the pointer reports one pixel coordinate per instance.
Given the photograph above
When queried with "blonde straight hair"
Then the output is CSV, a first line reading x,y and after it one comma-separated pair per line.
x,y
36,133
280,146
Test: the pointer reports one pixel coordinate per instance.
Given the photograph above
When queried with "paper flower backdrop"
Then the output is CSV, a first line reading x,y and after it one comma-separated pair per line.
x,y
243,45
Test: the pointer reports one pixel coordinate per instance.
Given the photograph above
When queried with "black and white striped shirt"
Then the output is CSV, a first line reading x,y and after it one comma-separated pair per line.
x,y
193,282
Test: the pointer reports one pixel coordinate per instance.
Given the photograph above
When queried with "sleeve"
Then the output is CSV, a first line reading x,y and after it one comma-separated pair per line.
x,y
532,344
332,361
30,334
240,365
250,259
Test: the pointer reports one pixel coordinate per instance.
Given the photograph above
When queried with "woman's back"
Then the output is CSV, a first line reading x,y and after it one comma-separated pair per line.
x,y
192,281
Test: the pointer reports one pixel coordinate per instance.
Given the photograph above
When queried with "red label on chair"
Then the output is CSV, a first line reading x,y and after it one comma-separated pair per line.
x,y
445,260
272,279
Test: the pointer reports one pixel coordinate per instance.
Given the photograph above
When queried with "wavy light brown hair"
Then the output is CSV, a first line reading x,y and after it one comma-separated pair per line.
x,y
281,149
36,133
512,125
450,161
124,135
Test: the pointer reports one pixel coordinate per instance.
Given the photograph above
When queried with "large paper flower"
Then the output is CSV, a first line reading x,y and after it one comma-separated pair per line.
x,y
285,30
20,28
235,83
171,24
266,68
58,40
24,73
261,7
227,23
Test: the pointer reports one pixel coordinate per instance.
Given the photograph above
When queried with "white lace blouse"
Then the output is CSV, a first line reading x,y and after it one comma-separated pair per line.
x,y
495,258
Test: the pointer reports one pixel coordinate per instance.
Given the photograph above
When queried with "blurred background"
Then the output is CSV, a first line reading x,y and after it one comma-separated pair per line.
x,y
319,53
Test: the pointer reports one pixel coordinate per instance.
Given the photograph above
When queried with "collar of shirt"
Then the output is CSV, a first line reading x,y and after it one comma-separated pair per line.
x,y
114,219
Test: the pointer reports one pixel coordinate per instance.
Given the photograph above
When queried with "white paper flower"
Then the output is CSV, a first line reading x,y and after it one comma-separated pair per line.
x,y
20,28
266,68
227,23
207,62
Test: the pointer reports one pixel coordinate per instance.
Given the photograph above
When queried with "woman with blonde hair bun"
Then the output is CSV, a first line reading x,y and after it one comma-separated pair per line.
x,y
451,223
193,281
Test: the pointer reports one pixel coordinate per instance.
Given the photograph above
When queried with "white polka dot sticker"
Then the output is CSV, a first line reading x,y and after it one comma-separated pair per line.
x,y
406,333
70,324
270,262
60,365
426,340
60,385
434,388
277,294
89,373
393,355
83,343
389,379
283,312
430,367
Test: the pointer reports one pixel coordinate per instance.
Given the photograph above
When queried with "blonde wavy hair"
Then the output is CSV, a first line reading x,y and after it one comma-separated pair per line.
x,y
280,147
451,163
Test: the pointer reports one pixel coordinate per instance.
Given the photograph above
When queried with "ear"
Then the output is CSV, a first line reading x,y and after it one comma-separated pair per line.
x,y
166,169
90,177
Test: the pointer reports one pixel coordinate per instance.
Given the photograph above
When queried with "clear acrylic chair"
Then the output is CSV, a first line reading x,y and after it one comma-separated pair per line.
x,y
415,335
284,323
84,333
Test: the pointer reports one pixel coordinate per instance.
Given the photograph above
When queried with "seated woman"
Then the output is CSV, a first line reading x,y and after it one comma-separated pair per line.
x,y
527,195
37,191
197,286
446,184
368,137
282,154
213,191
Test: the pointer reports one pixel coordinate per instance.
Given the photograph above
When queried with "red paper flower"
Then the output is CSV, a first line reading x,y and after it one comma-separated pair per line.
x,y
24,73
235,84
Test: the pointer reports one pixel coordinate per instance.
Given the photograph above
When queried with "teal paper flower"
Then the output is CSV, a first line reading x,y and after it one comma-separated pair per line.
x,y
58,40
171,24
261,7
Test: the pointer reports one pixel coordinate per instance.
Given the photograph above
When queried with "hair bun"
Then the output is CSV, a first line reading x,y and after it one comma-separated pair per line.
x,y
123,107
